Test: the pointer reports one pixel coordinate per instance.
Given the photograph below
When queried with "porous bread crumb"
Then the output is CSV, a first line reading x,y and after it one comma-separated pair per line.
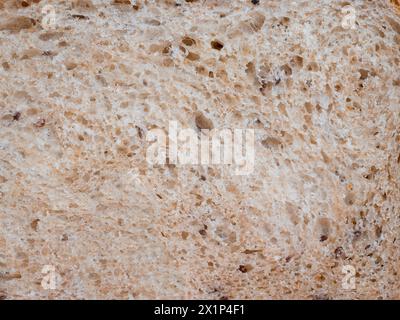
x,y
79,96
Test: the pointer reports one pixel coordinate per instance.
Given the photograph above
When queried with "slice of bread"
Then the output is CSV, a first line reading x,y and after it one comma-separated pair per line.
x,y
84,216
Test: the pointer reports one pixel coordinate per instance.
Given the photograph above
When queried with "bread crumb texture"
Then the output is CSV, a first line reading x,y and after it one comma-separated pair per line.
x,y
81,84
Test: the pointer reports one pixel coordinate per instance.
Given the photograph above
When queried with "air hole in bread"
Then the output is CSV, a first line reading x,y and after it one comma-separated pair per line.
x,y
217,45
